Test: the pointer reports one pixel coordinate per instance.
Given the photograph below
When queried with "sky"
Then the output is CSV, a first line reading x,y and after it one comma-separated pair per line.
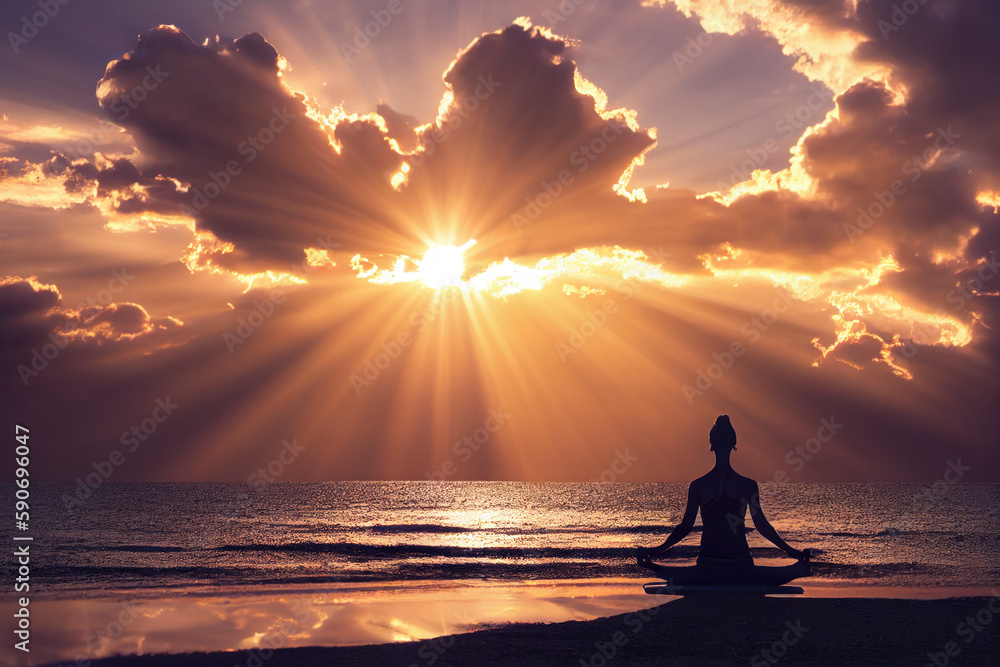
x,y
545,241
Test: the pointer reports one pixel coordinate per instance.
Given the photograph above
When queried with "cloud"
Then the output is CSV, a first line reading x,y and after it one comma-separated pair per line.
x,y
263,173
821,34
32,315
516,117
24,307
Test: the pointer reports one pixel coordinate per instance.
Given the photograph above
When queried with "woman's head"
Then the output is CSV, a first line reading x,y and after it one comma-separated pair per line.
x,y
722,436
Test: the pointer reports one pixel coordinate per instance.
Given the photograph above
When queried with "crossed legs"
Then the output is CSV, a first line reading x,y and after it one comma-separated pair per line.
x,y
726,574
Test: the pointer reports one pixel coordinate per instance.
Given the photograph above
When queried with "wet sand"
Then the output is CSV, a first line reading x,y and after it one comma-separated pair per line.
x,y
690,631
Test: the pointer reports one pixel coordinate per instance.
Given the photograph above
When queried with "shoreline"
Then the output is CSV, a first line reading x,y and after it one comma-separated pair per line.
x,y
738,630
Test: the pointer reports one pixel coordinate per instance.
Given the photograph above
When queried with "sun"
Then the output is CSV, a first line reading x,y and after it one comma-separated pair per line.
x,y
443,265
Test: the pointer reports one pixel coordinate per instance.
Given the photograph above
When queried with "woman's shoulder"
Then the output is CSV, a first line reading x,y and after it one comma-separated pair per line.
x,y
745,482
701,482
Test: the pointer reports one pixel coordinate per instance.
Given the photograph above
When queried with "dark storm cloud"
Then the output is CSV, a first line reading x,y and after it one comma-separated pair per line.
x,y
132,191
946,54
892,179
263,175
33,317
24,307
517,128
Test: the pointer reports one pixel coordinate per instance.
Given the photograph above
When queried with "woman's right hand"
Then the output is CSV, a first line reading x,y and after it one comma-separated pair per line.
x,y
643,556
805,554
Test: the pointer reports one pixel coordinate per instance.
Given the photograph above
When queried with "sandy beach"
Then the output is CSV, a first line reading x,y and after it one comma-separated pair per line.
x,y
689,631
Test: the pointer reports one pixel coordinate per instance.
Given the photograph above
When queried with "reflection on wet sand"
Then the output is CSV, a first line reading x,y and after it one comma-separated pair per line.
x,y
76,631
81,630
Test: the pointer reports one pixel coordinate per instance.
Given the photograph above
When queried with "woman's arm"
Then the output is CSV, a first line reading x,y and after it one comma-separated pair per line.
x,y
765,528
682,529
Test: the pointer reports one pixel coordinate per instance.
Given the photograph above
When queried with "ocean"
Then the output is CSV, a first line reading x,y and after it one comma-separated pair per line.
x,y
156,539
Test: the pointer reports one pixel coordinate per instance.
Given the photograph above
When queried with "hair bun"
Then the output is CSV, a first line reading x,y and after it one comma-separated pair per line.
x,y
723,433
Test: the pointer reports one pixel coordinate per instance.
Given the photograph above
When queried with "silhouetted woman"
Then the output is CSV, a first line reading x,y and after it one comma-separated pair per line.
x,y
723,497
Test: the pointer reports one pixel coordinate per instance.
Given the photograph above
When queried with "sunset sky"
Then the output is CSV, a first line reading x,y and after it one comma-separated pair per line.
x,y
214,220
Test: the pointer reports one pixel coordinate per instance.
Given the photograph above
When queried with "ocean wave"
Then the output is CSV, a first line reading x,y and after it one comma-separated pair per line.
x,y
143,548
891,531
416,528
434,550
394,528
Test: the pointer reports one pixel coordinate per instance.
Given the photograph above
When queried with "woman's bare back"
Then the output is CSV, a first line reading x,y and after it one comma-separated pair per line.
x,y
721,482
723,496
